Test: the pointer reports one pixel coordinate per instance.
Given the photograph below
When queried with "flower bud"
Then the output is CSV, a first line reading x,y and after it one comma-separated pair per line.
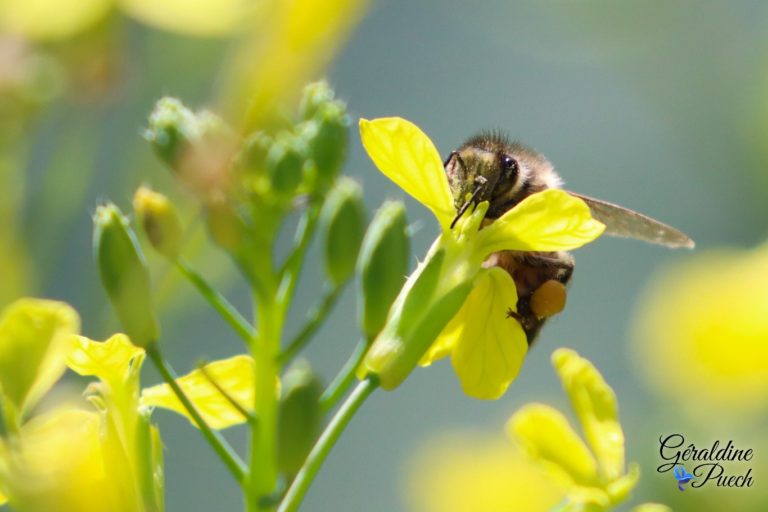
x,y
253,155
382,264
299,417
159,220
421,311
313,96
172,126
327,136
343,223
285,161
124,274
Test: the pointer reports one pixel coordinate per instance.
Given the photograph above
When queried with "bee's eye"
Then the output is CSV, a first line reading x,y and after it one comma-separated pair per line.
x,y
509,166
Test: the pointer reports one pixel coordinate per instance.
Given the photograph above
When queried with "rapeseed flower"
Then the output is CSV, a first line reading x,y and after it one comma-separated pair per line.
x,y
594,472
700,333
486,344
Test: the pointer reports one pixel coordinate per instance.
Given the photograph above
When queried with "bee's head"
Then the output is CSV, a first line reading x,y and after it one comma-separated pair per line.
x,y
488,167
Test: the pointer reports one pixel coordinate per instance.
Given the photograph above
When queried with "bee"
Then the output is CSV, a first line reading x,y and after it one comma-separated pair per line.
x,y
489,167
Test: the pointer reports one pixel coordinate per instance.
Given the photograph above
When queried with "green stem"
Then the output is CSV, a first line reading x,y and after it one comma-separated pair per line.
x,y
227,311
316,317
222,448
322,448
263,460
291,268
344,379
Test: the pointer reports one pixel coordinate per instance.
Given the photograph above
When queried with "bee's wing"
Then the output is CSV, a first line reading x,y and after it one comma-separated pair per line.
x,y
623,222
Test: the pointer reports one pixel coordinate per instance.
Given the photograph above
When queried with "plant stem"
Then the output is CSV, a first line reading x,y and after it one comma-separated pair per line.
x,y
322,448
222,448
227,311
316,317
344,379
263,460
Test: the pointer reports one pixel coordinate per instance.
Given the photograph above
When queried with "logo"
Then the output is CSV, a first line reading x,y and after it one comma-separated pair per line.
x,y
719,465
682,477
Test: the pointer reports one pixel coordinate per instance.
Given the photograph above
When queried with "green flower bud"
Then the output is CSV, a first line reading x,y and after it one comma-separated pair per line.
x,y
418,316
160,222
299,417
382,265
253,155
285,161
172,127
313,96
326,137
124,274
343,223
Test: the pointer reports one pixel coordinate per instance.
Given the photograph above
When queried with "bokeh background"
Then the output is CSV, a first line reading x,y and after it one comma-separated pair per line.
x,y
658,106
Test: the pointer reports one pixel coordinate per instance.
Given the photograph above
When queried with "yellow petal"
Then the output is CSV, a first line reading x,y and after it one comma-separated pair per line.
x,y
234,376
552,220
547,437
51,19
199,18
34,336
488,345
620,488
289,44
57,464
595,405
110,360
651,507
477,472
406,156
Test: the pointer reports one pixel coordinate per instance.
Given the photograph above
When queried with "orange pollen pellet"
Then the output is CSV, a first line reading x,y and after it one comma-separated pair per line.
x,y
548,299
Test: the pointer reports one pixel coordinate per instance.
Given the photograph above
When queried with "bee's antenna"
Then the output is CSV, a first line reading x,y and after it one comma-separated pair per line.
x,y
478,188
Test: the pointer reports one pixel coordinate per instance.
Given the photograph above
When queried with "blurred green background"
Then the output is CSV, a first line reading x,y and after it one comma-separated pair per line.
x,y
658,106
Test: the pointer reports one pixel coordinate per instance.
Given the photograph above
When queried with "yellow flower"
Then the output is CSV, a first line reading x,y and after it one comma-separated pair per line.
x,y
477,472
594,472
486,345
34,336
701,333
57,463
47,20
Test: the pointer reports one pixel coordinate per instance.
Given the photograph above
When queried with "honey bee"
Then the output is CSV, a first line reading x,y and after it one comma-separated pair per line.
x,y
489,167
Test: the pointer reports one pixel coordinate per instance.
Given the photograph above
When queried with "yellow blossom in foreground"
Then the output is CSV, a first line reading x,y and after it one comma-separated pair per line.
x,y
486,344
701,332
477,472
47,20
57,463
593,473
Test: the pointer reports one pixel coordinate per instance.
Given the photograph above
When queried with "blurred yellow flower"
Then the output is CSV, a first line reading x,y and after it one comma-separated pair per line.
x,y
487,345
701,332
34,337
594,472
57,463
477,472
47,20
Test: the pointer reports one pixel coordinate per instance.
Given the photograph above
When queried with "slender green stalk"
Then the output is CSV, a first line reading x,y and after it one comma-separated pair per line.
x,y
291,268
263,460
317,316
344,379
322,448
222,306
222,448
